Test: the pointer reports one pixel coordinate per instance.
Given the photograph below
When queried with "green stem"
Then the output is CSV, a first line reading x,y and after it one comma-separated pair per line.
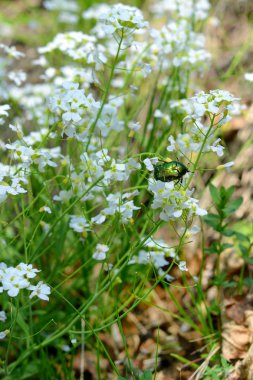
x,y
10,338
200,153
105,97
57,220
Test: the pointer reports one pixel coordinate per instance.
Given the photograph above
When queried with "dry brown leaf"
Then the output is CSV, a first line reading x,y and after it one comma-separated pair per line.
x,y
164,376
235,308
90,363
148,347
236,341
249,319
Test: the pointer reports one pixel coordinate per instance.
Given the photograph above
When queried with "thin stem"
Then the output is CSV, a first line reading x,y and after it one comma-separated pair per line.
x,y
200,153
105,97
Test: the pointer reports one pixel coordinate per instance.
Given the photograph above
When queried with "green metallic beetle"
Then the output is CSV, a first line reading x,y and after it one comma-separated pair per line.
x,y
170,171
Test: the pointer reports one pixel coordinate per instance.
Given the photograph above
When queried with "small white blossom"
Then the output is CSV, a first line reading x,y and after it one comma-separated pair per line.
x,y
3,334
149,162
98,219
248,77
182,266
18,77
3,316
27,270
45,209
12,51
40,290
100,252
120,17
134,126
79,223
3,109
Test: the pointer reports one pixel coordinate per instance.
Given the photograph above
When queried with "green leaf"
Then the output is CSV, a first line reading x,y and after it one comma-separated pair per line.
x,y
242,237
248,281
147,375
228,232
244,250
212,249
225,195
249,260
22,324
233,206
230,192
214,191
226,246
230,284
213,220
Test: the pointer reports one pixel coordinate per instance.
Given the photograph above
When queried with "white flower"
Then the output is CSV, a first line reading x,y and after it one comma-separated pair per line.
x,y
122,17
3,316
248,76
100,253
3,334
27,270
3,109
66,348
13,281
167,277
182,266
40,290
12,51
226,166
71,115
185,9
149,162
64,196
217,148
18,77
45,157
79,223
17,128
98,219
134,126
45,209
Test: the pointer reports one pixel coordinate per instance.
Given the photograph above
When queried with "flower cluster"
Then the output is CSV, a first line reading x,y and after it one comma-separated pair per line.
x,y
78,46
174,202
123,19
215,103
158,254
14,177
184,8
97,165
216,107
118,205
68,10
79,112
13,279
178,41
11,51
73,106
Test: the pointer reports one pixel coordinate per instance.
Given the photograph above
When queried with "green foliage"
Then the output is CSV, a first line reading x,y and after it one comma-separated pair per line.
x,y
218,372
146,375
225,207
